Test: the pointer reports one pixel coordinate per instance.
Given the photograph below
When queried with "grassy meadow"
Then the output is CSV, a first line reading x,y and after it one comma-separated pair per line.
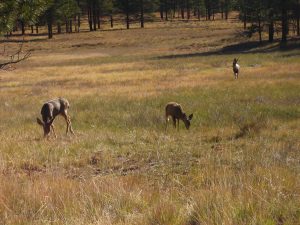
x,y
238,164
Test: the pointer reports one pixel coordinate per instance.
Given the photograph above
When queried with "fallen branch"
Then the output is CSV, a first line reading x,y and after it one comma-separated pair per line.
x,y
14,58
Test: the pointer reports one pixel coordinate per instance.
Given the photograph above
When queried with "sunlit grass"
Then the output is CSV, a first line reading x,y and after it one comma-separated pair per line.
x,y
238,164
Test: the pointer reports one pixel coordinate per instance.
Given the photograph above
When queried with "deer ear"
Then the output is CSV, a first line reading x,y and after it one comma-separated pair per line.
x,y
39,122
191,116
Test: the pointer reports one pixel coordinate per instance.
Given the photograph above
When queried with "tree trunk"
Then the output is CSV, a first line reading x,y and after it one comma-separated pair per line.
x,y
298,26
182,12
94,18
174,8
245,20
49,17
245,2
98,19
50,34
161,11
31,29
226,8
90,19
142,14
71,26
67,26
298,18
127,14
23,27
111,21
271,31
188,10
78,23
78,18
198,14
166,12
222,11
209,13
284,22
58,28
259,28
271,26
36,29
75,24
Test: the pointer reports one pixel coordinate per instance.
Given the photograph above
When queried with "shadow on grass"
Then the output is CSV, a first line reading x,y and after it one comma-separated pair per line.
x,y
245,48
23,41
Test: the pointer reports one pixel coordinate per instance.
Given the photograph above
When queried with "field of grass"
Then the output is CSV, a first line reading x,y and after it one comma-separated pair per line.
x,y
238,164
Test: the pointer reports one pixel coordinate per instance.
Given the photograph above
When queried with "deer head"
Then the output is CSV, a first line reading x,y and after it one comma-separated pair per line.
x,y
46,126
187,120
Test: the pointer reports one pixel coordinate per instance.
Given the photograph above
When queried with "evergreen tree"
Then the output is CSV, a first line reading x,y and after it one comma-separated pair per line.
x,y
265,12
8,15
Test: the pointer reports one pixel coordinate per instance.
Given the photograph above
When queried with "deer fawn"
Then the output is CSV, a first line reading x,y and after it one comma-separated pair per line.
x,y
236,68
50,110
174,110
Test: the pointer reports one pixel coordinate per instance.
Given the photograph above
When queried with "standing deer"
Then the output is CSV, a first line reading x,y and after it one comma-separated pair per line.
x,y
50,110
174,110
236,68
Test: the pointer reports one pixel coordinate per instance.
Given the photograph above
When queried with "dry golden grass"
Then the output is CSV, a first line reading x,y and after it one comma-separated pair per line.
x,y
238,164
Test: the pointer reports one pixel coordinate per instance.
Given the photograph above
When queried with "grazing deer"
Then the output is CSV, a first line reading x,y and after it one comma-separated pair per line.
x,y
50,110
236,68
174,110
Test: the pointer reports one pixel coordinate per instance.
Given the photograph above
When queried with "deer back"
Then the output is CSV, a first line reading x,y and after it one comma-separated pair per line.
x,y
175,110
53,108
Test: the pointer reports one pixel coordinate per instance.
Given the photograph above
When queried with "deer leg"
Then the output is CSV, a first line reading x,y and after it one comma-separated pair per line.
x,y
177,124
174,121
52,127
68,121
70,125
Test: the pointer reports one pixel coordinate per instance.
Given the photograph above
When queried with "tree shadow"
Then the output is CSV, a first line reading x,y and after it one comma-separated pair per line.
x,y
18,38
22,41
245,48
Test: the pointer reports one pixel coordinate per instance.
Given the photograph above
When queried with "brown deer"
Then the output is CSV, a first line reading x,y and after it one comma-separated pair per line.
x,y
174,110
50,110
